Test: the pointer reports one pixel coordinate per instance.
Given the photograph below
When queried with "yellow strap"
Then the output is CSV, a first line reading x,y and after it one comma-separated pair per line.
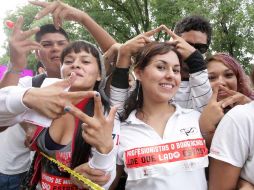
x,y
80,177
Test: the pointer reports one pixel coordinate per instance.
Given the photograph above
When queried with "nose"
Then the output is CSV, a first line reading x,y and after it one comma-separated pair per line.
x,y
56,47
221,81
170,73
75,64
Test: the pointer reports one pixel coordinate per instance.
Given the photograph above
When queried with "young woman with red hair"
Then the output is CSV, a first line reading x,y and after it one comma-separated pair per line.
x,y
230,86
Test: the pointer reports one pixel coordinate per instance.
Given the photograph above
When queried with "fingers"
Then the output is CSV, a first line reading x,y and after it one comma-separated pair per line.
x,y
39,3
84,168
236,99
29,33
75,97
48,8
170,32
98,108
230,92
215,93
66,83
112,113
18,25
153,31
229,101
78,113
56,17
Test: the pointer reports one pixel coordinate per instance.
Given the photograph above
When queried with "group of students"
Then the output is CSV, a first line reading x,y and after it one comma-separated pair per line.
x,y
159,131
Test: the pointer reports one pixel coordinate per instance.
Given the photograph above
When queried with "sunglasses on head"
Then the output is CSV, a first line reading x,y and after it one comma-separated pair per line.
x,y
202,48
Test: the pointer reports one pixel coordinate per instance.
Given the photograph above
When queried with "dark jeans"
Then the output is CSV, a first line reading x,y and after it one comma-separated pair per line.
x,y
10,182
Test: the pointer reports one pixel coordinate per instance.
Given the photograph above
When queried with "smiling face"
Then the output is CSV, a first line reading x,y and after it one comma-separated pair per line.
x,y
220,74
161,78
85,66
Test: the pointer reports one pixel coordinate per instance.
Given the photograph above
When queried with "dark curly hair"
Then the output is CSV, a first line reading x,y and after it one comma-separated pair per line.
x,y
196,23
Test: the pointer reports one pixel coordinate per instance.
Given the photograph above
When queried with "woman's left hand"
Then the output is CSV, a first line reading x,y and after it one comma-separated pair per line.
x,y
97,130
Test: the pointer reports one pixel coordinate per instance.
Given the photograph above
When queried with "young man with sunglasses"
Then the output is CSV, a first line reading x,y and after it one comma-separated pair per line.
x,y
195,89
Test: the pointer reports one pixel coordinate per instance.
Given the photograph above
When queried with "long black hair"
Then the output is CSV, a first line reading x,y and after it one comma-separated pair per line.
x,y
82,150
135,100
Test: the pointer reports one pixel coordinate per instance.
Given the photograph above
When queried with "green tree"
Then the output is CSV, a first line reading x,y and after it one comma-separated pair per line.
x,y
232,21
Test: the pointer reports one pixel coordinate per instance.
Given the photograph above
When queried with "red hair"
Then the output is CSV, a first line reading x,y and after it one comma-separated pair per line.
x,y
243,85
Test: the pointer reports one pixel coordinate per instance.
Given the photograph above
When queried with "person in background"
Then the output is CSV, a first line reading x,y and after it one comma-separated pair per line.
x,y
40,69
16,101
230,88
195,89
232,152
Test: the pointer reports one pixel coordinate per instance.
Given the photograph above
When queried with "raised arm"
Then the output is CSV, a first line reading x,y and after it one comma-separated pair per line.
x,y
196,93
19,45
61,11
49,101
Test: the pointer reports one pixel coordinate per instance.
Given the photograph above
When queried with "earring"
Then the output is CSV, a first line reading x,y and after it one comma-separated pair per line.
x,y
138,83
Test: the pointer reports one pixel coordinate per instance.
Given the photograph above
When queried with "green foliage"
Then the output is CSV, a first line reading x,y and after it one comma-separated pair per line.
x,y
232,21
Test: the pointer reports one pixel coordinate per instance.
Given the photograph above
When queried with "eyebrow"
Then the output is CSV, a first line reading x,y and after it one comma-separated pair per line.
x,y
49,41
165,63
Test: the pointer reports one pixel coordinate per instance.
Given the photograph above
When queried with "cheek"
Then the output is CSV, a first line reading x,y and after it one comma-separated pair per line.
x,y
63,71
234,85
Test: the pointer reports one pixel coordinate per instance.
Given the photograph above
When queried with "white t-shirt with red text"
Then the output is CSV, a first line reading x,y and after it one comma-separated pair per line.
x,y
176,161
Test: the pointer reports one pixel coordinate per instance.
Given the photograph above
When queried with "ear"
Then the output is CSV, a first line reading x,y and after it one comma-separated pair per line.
x,y
37,54
138,74
98,77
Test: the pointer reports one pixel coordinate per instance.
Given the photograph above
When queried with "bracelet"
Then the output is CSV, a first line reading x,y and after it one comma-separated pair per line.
x,y
11,70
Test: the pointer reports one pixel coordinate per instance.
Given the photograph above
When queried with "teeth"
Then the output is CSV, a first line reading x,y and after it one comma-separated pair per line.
x,y
166,85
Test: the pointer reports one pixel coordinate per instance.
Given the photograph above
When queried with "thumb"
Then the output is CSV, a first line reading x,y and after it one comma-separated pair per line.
x,y
67,82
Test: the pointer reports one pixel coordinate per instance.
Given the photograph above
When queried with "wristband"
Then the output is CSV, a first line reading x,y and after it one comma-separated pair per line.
x,y
13,71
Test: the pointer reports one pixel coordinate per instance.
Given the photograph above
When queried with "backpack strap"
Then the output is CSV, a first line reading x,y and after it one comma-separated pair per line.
x,y
38,80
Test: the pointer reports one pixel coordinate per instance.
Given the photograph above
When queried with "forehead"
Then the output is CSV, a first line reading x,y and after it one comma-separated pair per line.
x,y
169,57
218,66
82,53
53,37
195,37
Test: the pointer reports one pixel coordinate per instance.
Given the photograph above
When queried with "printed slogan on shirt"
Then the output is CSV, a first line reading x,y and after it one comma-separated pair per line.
x,y
164,153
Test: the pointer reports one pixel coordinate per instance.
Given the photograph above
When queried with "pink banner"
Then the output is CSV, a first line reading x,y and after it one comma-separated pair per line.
x,y
25,72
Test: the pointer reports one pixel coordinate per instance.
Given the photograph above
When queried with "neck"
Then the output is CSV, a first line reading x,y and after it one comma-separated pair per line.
x,y
53,74
156,108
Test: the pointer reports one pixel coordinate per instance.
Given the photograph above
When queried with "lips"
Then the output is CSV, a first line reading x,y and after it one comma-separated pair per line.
x,y
166,85
222,94
78,73
55,58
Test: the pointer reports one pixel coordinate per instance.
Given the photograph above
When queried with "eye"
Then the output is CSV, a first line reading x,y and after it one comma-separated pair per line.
x,y
68,62
46,45
62,43
229,75
176,70
85,62
161,67
211,77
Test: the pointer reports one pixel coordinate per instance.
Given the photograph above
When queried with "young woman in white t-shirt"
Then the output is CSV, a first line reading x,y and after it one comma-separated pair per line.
x,y
161,146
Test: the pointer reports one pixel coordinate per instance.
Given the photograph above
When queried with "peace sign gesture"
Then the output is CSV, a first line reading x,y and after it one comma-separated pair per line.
x,y
97,130
183,47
